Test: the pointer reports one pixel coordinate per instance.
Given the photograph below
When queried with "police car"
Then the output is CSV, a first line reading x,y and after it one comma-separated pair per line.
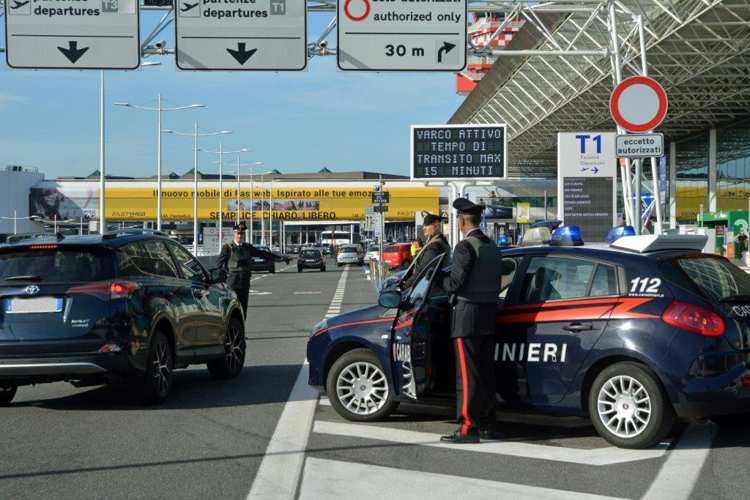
x,y
635,335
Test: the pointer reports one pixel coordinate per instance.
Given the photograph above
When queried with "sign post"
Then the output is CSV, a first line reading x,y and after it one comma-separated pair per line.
x,y
401,36
64,34
262,35
587,182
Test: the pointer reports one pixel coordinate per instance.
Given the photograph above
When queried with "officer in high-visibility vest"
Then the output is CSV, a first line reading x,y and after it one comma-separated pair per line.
x,y
236,259
474,285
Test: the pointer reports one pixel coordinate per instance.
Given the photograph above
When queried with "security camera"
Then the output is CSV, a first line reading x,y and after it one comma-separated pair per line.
x,y
161,44
324,44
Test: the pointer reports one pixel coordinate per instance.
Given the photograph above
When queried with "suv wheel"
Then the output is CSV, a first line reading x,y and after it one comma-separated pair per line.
x,y
235,347
158,381
358,388
628,406
7,393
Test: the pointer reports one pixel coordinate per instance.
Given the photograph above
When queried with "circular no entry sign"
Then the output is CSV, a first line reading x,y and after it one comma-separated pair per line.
x,y
638,104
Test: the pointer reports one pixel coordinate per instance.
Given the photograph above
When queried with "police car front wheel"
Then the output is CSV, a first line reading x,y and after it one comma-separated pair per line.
x,y
628,407
358,388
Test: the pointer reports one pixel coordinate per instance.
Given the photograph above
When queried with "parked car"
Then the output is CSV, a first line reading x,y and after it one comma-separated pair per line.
x,y
263,263
397,255
114,308
311,258
373,253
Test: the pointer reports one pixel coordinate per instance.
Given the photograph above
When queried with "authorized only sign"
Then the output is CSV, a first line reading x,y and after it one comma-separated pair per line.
x,y
72,34
458,152
640,146
258,35
383,35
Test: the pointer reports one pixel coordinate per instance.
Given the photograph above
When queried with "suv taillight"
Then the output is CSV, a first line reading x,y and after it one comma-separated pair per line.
x,y
115,289
693,318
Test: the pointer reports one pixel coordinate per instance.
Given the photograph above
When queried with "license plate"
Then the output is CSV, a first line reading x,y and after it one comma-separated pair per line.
x,y
33,305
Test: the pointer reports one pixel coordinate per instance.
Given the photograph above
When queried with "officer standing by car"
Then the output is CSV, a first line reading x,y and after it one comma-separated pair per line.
x,y
474,285
435,245
236,261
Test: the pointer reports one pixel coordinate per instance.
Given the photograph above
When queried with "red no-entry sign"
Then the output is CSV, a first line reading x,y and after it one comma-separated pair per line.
x,y
638,104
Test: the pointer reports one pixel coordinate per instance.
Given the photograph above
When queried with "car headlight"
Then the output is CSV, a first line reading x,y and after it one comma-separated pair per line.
x,y
322,325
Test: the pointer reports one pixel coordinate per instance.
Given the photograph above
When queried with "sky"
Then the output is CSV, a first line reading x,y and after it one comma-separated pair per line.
x,y
293,122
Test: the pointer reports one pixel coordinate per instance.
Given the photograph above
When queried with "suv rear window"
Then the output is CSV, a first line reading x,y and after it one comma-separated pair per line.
x,y
68,265
716,278
311,254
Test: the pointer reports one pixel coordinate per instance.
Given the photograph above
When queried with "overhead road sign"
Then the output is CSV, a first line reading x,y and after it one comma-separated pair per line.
x,y
638,104
458,152
640,146
72,34
252,35
377,35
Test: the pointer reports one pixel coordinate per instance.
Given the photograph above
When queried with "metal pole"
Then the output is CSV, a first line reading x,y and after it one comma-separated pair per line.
x,y
673,185
195,189
252,203
545,204
262,215
158,165
221,195
102,173
238,188
81,231
270,216
15,222
54,225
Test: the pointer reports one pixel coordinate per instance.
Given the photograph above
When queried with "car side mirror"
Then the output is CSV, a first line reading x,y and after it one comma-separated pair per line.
x,y
216,276
390,299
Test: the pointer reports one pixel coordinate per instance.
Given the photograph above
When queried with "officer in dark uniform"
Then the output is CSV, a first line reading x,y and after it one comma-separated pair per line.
x,y
236,259
474,283
435,245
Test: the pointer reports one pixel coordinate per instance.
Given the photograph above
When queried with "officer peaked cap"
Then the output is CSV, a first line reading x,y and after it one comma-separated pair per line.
x,y
466,207
240,227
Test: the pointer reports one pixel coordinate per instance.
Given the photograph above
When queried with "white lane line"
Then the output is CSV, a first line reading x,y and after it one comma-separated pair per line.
x,y
345,480
280,470
596,457
683,465
307,293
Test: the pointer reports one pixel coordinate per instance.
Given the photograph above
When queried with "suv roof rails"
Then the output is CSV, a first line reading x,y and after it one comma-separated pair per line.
x,y
121,232
18,238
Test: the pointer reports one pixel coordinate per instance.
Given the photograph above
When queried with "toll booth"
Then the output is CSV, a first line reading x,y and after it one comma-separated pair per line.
x,y
727,226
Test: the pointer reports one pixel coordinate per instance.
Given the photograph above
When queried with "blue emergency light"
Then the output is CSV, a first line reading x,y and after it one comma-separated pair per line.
x,y
618,232
566,236
503,240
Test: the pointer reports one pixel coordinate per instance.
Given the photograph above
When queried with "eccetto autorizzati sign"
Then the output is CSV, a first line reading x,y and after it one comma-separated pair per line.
x,y
298,204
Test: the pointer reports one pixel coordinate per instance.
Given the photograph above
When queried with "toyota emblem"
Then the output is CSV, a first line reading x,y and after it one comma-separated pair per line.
x,y
32,290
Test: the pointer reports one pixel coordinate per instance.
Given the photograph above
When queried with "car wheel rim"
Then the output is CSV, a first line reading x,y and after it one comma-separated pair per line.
x,y
234,348
624,406
361,388
162,368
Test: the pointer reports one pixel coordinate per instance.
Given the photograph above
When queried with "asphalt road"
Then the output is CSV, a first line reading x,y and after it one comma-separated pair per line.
x,y
212,438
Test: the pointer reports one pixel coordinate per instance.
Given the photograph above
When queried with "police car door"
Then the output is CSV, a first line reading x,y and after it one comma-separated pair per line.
x,y
411,338
561,310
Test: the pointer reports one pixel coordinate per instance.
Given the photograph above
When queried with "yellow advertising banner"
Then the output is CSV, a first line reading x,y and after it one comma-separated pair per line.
x,y
288,203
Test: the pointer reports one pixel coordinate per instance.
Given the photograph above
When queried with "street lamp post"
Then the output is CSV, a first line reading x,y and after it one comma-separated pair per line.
x,y
239,166
221,154
195,134
159,109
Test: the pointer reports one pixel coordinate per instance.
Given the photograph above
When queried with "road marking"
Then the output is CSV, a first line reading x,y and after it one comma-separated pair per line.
x,y
324,401
307,293
596,457
683,465
280,470
257,292
335,479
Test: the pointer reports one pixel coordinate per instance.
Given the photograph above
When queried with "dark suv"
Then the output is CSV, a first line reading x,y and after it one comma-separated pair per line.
x,y
311,258
115,308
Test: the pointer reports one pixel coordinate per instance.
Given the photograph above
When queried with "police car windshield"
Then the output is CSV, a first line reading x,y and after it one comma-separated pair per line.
x,y
717,279
58,265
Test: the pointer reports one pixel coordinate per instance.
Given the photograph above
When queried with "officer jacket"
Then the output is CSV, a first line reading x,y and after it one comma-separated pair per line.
x,y
237,261
435,246
475,277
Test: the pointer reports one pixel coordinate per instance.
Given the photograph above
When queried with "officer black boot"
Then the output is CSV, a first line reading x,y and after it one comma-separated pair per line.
x,y
489,433
458,437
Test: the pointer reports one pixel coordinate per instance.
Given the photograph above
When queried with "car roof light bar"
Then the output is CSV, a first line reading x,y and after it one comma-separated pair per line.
x,y
659,242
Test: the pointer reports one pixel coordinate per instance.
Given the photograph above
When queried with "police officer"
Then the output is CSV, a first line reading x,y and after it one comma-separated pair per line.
x,y
235,259
474,283
435,245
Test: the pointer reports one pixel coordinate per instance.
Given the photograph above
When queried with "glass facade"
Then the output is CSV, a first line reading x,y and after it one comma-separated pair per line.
x,y
733,171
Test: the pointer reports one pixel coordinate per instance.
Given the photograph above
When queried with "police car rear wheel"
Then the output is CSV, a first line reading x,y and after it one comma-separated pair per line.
x,y
7,393
628,407
235,347
358,388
